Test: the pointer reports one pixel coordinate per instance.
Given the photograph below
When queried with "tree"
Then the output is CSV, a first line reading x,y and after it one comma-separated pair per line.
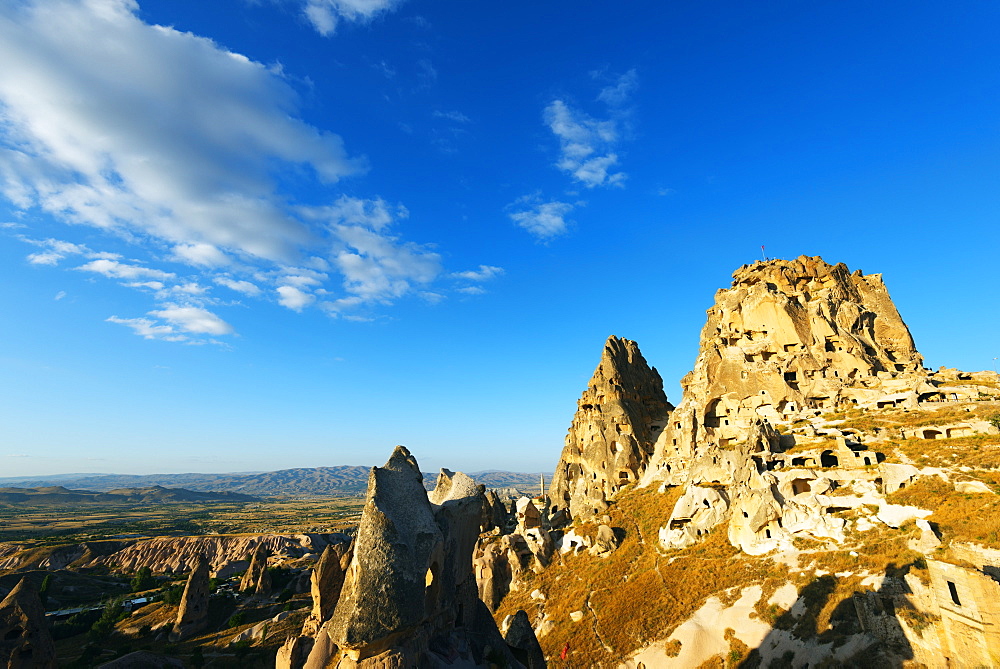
x,y
143,579
43,591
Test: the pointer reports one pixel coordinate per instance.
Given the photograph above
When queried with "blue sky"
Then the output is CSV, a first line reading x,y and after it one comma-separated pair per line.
x,y
292,233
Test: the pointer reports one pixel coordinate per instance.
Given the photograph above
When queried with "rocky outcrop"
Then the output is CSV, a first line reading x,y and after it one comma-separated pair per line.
x,y
611,439
192,615
326,582
257,581
294,652
25,642
789,340
410,597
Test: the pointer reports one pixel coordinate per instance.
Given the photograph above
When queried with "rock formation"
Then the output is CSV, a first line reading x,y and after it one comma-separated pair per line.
x,y
611,439
788,341
25,642
793,339
256,580
226,554
409,597
522,641
193,612
326,582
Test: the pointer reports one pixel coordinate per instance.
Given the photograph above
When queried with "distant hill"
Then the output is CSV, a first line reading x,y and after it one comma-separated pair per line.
x,y
343,480
59,495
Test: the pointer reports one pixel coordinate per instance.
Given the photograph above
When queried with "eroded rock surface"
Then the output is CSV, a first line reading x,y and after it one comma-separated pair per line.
x,y
409,595
25,642
256,580
611,439
193,612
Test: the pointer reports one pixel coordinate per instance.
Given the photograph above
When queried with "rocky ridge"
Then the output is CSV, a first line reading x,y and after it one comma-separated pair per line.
x,y
785,438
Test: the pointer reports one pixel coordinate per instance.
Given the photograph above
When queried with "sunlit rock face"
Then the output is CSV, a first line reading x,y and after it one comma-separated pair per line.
x,y
409,596
792,339
611,439
788,341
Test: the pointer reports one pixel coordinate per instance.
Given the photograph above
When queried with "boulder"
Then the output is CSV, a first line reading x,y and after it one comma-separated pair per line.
x,y
973,487
294,652
605,543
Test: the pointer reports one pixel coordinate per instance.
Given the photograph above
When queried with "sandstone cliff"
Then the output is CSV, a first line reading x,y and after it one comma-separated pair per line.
x,y
611,439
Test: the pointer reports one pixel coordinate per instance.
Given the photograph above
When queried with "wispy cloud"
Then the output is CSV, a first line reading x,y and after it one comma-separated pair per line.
x,y
484,273
240,286
114,269
177,323
326,15
174,145
543,219
456,116
618,93
588,146
585,145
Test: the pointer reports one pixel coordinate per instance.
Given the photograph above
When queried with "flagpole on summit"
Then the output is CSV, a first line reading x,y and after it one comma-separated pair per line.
x,y
762,252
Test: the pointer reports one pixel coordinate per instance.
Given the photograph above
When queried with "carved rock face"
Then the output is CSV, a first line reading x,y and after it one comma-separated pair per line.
x,y
611,439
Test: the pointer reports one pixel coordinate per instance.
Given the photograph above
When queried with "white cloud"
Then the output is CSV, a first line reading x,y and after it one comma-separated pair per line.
x,y
472,290
119,270
239,286
194,320
56,251
152,285
542,219
456,116
203,255
431,297
61,294
149,329
484,273
586,145
294,298
376,214
326,14
174,144
111,122
619,93
376,266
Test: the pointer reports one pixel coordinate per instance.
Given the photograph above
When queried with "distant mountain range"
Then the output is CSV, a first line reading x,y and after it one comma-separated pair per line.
x,y
319,481
59,495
